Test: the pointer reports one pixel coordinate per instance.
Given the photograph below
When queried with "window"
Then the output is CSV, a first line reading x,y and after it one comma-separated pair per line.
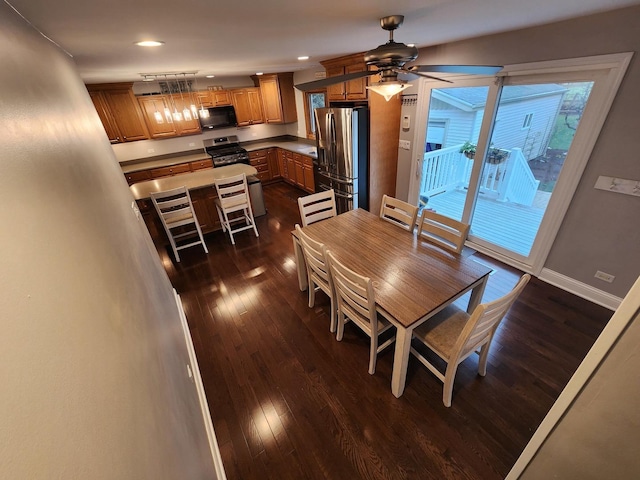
x,y
313,100
527,120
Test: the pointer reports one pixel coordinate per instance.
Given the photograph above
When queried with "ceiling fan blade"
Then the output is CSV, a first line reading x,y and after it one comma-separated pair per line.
x,y
469,69
414,74
325,82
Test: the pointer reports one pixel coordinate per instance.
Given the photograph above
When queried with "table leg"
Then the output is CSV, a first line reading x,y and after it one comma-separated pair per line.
x,y
476,294
401,360
300,265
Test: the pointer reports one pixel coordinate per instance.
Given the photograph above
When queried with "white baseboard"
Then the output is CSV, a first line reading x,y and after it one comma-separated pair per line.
x,y
580,289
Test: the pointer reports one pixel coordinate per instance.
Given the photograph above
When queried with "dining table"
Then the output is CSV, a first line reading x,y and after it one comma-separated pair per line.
x,y
412,278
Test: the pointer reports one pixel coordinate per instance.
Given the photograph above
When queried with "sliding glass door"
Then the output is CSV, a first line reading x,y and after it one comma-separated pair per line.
x,y
500,156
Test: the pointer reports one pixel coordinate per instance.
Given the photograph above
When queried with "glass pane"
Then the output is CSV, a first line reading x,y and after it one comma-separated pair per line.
x,y
316,100
455,117
534,127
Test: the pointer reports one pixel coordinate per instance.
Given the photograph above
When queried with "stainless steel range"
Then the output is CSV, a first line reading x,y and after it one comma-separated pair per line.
x,y
226,151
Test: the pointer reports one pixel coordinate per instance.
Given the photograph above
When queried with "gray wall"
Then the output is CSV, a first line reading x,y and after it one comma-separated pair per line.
x,y
601,230
92,354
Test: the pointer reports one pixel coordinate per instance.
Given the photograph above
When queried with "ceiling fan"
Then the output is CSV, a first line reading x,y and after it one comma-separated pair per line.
x,y
390,59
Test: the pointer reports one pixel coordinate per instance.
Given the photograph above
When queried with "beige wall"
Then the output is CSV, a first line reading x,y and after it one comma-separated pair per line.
x,y
92,355
601,230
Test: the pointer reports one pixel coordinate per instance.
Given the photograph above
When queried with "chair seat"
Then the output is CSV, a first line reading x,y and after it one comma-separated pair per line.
x,y
441,331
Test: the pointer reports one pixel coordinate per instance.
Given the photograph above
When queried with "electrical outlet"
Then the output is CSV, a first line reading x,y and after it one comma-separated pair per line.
x,y
607,277
151,150
192,144
136,210
405,144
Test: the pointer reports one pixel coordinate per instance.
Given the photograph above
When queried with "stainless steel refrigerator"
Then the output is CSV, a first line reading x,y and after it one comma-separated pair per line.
x,y
342,141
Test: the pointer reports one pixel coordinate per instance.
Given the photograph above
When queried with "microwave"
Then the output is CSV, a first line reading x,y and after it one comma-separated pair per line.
x,y
219,117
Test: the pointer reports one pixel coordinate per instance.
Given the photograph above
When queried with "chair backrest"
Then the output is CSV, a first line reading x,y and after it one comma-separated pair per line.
x,y
484,321
174,207
317,206
443,231
233,192
315,257
355,295
399,213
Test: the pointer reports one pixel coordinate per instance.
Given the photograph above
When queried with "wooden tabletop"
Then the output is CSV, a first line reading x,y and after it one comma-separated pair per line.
x,y
411,277
199,179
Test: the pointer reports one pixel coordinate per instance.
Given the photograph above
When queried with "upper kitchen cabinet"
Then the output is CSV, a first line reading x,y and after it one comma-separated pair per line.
x,y
213,98
248,105
162,125
353,89
278,97
119,111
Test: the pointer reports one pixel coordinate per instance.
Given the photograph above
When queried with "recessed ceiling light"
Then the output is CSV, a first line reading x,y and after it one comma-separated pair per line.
x,y
259,73
210,76
149,43
304,57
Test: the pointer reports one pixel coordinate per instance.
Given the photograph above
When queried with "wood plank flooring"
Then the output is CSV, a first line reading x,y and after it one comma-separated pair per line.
x,y
290,402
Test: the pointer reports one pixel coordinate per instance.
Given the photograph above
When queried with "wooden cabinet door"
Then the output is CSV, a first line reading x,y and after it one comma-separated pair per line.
x,y
356,89
135,177
255,105
220,98
282,163
204,98
337,91
108,122
127,113
203,200
188,125
291,167
272,160
299,169
271,100
307,169
248,105
157,129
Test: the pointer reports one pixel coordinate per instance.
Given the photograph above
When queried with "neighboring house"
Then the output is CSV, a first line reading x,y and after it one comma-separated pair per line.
x,y
525,120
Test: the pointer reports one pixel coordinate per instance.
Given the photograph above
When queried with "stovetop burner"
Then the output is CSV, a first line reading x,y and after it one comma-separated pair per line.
x,y
226,151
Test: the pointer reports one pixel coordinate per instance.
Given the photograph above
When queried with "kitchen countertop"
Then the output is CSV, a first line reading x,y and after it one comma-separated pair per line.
x,y
193,180
194,156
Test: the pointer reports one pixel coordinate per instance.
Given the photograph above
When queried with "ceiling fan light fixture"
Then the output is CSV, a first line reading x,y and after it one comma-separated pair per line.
x,y
388,89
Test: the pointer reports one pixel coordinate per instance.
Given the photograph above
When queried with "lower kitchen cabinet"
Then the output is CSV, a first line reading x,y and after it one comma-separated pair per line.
x,y
203,200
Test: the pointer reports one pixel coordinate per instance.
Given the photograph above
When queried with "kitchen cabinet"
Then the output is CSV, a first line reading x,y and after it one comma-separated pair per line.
x,y
278,97
353,89
290,167
150,104
304,172
282,163
135,177
248,105
213,98
203,200
119,111
170,171
258,160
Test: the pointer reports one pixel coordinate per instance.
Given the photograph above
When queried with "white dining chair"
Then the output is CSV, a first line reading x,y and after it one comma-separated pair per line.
x,y
178,218
234,205
317,206
356,302
443,231
398,212
318,274
453,335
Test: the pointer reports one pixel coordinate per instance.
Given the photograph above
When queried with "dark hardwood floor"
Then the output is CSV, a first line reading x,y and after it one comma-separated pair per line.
x,y
290,402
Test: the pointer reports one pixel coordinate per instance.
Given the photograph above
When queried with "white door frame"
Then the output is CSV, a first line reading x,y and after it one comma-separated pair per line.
x,y
606,71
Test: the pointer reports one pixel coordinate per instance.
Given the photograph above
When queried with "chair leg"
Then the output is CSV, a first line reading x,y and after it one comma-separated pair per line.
x,y
373,355
332,328
484,356
447,390
340,326
312,293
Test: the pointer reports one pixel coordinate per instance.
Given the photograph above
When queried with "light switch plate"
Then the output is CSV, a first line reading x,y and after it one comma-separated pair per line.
x,y
405,144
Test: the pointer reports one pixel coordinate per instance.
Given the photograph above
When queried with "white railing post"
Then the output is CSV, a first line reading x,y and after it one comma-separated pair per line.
x,y
506,173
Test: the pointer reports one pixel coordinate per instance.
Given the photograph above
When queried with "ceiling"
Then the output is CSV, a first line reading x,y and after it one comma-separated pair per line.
x,y
242,37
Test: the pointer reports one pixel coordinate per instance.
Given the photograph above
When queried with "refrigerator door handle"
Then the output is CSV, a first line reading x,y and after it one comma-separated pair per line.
x,y
348,196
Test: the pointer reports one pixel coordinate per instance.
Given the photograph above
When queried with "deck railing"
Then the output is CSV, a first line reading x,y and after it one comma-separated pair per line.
x,y
510,181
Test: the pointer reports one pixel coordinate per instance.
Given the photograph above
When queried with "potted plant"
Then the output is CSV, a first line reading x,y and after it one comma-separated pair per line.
x,y
496,156
469,150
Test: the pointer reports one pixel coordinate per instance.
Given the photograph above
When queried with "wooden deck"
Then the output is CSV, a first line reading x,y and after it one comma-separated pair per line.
x,y
508,225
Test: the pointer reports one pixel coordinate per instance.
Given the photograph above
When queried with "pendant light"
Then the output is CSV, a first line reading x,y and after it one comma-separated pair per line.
x,y
167,110
186,113
192,101
203,112
157,115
